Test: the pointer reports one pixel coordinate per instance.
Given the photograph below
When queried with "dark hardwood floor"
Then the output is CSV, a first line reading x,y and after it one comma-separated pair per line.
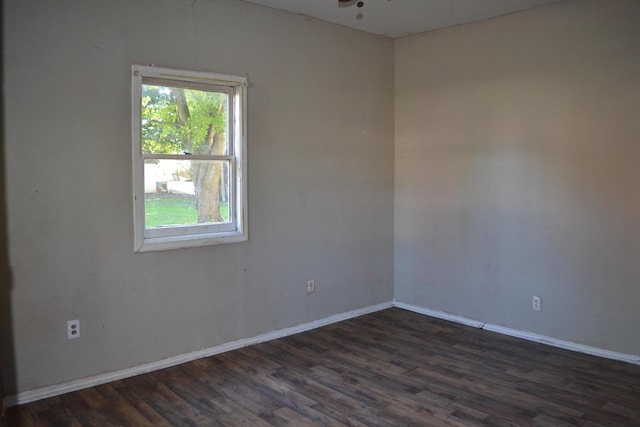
x,y
389,368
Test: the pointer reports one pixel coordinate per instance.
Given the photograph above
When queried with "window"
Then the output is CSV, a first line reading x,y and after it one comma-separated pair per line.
x,y
189,158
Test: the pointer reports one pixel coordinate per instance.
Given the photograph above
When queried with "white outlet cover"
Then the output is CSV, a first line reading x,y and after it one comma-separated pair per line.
x,y
73,329
537,303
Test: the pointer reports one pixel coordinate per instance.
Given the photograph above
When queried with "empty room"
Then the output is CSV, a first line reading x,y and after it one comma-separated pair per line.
x,y
320,212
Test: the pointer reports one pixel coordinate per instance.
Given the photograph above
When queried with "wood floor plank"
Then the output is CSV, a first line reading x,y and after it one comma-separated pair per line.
x,y
390,368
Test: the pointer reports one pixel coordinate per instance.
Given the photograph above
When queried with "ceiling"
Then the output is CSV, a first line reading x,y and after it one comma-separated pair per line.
x,y
396,18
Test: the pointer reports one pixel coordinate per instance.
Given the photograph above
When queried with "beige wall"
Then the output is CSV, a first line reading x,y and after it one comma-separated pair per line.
x,y
320,181
517,173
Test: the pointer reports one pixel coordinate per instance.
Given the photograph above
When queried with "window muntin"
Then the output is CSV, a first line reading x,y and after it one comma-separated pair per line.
x,y
189,150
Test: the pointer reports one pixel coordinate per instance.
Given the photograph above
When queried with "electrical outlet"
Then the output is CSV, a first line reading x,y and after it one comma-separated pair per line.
x,y
536,304
73,329
311,286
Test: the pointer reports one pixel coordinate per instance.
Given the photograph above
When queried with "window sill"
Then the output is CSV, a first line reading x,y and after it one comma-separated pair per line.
x,y
191,241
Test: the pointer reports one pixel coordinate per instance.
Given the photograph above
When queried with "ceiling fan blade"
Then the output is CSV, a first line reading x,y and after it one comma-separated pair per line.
x,y
346,3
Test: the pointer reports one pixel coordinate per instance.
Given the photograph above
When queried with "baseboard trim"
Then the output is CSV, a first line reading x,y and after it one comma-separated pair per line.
x,y
529,336
439,314
58,389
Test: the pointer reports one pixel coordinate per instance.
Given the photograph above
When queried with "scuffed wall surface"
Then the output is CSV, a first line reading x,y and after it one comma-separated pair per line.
x,y
320,181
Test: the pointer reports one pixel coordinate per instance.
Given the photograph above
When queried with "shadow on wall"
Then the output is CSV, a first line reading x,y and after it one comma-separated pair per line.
x,y
7,360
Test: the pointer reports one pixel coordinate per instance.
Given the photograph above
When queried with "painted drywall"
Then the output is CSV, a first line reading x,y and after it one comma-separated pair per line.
x,y
320,148
516,171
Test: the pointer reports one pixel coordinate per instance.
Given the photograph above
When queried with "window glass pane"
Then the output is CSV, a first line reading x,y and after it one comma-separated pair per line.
x,y
186,192
176,120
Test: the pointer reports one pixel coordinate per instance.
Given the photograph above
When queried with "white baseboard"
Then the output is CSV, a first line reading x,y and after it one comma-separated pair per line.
x,y
58,389
439,314
530,336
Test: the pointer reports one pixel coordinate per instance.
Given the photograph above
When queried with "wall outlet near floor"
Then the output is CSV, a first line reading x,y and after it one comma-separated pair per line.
x,y
536,304
311,286
73,329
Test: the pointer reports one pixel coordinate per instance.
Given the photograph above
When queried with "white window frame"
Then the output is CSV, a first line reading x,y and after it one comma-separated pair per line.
x,y
185,236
